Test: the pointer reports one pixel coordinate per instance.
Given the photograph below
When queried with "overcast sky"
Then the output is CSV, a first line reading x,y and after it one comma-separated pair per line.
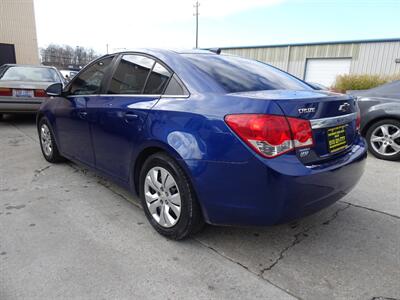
x,y
171,24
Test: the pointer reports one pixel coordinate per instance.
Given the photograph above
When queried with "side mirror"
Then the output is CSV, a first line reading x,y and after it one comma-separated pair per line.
x,y
54,89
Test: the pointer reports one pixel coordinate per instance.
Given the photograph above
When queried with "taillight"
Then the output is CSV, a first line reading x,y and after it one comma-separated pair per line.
x,y
301,132
271,135
40,93
358,119
5,92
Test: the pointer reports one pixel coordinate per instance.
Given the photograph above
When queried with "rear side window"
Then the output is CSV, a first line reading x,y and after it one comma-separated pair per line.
x,y
236,74
31,74
157,80
175,88
89,81
130,75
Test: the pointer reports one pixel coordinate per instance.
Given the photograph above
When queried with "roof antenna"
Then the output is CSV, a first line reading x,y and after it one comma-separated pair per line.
x,y
215,50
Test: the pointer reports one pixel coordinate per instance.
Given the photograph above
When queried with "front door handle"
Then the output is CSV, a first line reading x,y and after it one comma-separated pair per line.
x,y
130,116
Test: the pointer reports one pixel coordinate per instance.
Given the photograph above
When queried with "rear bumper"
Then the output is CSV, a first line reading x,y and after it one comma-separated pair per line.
x,y
10,105
275,191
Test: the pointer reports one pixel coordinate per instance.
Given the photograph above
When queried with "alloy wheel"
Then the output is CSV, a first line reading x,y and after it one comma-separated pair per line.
x,y
162,196
385,139
45,137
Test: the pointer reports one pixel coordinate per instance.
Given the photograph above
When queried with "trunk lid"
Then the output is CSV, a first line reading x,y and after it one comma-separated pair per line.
x,y
26,85
332,117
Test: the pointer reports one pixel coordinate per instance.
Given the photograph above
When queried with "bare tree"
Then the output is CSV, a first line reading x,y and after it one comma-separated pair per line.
x,y
64,56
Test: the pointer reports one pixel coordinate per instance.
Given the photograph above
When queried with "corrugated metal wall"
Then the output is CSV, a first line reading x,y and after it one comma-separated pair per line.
x,y
367,58
18,27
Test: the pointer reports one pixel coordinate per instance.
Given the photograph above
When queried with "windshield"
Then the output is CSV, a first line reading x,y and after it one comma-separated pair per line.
x,y
236,74
22,73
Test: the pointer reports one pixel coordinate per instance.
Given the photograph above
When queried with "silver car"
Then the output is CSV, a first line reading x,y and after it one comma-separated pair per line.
x,y
23,87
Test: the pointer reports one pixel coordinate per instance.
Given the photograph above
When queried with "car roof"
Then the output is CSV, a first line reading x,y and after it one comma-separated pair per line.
x,y
187,72
165,51
31,66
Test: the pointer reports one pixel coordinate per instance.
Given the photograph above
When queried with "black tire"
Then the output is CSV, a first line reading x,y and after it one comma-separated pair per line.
x,y
54,156
390,122
190,220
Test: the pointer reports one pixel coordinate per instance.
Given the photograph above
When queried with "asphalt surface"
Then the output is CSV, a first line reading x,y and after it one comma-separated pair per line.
x,y
66,233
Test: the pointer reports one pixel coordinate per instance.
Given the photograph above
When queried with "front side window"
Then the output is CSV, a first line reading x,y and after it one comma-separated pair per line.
x,y
130,75
157,80
236,74
89,81
29,74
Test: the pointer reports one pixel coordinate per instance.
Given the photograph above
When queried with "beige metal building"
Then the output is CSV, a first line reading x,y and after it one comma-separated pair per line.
x,y
322,62
18,40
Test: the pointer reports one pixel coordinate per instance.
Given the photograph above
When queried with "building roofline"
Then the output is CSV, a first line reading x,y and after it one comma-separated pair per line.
x,y
317,43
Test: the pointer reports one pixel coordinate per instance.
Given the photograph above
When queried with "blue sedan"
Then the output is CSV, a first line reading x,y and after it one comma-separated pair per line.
x,y
203,137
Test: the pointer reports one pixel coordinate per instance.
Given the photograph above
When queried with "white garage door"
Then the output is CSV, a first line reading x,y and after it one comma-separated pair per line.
x,y
324,71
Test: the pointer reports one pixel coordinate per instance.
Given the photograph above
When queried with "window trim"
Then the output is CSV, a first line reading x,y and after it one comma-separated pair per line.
x,y
156,60
148,76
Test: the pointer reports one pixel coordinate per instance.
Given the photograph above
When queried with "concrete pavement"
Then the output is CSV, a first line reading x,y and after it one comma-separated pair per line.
x,y
66,233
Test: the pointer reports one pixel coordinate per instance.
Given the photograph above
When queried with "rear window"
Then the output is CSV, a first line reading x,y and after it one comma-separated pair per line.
x,y
236,74
17,73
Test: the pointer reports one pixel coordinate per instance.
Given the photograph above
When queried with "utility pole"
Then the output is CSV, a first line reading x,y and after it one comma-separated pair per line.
x,y
196,6
107,48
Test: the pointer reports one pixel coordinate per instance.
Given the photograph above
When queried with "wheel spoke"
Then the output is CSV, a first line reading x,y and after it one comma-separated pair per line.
x,y
382,148
175,199
396,134
164,221
385,129
150,183
154,179
375,138
150,198
164,176
153,206
168,218
169,183
176,209
395,147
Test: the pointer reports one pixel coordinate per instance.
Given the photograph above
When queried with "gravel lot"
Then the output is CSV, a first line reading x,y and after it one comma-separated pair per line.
x,y
66,233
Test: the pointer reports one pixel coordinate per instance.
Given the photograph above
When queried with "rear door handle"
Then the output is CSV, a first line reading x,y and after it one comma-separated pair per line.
x,y
82,114
130,116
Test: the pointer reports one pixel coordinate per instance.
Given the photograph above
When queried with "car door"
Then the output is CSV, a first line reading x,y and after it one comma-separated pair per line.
x,y
117,118
72,125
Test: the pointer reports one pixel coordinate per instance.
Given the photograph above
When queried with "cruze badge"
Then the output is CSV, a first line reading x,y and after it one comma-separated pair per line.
x,y
344,107
306,110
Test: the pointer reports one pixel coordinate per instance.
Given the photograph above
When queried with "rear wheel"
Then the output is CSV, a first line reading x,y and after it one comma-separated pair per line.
x,y
47,143
168,199
384,139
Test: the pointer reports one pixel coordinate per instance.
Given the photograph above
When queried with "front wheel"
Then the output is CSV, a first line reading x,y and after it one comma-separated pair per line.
x,y
47,143
167,198
384,139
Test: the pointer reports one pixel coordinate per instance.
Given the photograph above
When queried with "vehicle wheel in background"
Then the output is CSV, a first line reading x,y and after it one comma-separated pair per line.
x,y
167,198
384,139
47,143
